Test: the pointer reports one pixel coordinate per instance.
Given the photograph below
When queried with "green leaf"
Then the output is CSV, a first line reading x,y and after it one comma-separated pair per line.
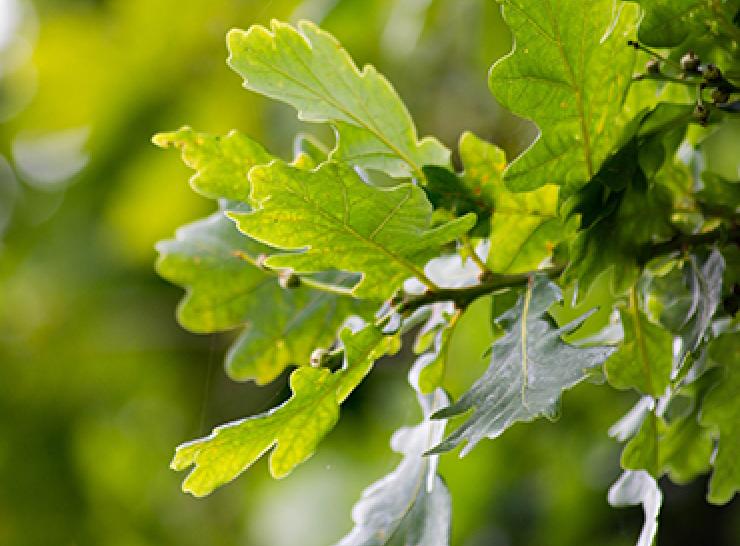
x,y
625,223
525,227
530,367
686,449
225,290
222,163
637,487
644,359
343,223
411,505
308,69
720,194
429,369
667,23
599,327
721,411
569,73
643,451
295,428
454,193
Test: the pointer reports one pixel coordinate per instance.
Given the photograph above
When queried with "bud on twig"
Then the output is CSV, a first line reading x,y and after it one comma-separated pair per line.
x,y
652,66
287,279
690,62
319,357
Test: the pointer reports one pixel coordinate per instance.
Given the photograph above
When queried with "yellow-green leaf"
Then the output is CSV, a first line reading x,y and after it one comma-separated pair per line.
x,y
307,68
569,72
337,221
294,429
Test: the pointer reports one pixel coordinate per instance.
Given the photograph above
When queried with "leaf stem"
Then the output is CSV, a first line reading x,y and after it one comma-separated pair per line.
x,y
463,297
468,245
305,281
655,54
666,78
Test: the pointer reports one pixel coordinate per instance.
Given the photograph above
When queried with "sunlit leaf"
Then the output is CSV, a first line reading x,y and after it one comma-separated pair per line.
x,y
345,224
307,68
525,227
569,72
294,429
225,290
221,163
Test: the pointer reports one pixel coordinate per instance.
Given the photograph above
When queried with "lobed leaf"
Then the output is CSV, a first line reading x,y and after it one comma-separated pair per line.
x,y
644,359
225,290
625,221
411,505
294,429
688,304
525,227
221,163
569,72
530,367
643,451
340,222
721,411
308,69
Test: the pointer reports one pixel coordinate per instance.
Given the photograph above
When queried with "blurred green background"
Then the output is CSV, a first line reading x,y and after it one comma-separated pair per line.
x,y
98,383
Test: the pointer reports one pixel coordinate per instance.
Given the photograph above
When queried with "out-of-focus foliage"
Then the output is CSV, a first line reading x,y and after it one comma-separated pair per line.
x,y
97,382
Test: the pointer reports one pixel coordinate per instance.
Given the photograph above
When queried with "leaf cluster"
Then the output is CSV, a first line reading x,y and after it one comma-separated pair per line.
x,y
326,269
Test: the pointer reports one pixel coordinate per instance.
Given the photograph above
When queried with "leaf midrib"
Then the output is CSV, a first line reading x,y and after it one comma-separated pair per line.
x,y
353,232
573,84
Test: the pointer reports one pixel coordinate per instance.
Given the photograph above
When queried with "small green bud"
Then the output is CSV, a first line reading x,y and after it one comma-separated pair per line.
x,y
652,66
690,62
287,279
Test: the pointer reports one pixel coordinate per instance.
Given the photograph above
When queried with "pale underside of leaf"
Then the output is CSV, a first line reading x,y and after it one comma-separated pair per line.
x,y
308,69
411,505
636,487
530,367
